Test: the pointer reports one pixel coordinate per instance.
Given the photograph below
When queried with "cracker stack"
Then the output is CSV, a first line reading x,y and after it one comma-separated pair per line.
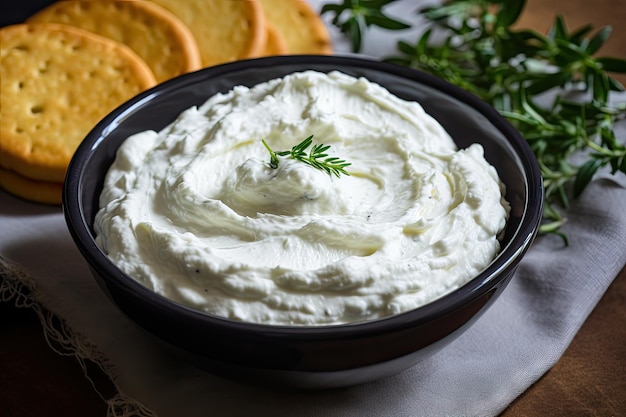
x,y
57,82
73,62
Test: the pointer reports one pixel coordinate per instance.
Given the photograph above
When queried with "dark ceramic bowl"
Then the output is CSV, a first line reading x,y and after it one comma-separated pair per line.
x,y
324,356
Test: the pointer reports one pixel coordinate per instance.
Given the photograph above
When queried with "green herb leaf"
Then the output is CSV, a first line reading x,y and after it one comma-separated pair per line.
x,y
598,40
612,64
510,12
585,174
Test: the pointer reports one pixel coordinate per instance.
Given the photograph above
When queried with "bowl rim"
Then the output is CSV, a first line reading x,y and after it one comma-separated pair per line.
x,y
508,257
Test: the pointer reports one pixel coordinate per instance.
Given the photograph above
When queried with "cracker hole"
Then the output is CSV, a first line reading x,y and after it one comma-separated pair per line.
x,y
36,109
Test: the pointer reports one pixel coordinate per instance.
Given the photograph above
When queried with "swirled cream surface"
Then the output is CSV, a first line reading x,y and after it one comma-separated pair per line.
x,y
196,213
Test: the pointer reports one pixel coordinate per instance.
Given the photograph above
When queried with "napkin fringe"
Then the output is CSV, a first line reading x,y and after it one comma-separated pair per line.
x,y
18,287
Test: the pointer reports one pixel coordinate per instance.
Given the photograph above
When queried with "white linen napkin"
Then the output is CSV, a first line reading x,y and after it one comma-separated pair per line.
x,y
515,342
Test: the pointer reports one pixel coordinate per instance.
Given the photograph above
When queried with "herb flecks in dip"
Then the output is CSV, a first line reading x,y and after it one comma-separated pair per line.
x,y
196,213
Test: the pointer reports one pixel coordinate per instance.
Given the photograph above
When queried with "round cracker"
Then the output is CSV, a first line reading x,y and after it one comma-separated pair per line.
x,y
32,190
225,30
302,29
154,33
57,82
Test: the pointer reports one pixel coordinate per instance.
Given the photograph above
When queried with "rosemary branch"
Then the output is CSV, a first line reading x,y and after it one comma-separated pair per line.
x,y
316,157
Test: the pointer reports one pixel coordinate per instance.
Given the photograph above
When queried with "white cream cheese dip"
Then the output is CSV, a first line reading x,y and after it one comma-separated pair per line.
x,y
196,213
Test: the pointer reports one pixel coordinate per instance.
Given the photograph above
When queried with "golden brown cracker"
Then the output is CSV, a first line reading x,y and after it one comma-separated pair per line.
x,y
225,30
155,34
32,190
275,44
302,28
57,82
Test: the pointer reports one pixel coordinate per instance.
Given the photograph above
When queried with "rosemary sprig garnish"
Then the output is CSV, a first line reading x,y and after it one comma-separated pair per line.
x,y
316,157
473,44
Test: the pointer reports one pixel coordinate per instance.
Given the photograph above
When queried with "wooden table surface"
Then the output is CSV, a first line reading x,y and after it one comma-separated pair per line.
x,y
587,381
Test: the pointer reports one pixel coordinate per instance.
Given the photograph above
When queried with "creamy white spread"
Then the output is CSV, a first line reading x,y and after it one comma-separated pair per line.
x,y
195,212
